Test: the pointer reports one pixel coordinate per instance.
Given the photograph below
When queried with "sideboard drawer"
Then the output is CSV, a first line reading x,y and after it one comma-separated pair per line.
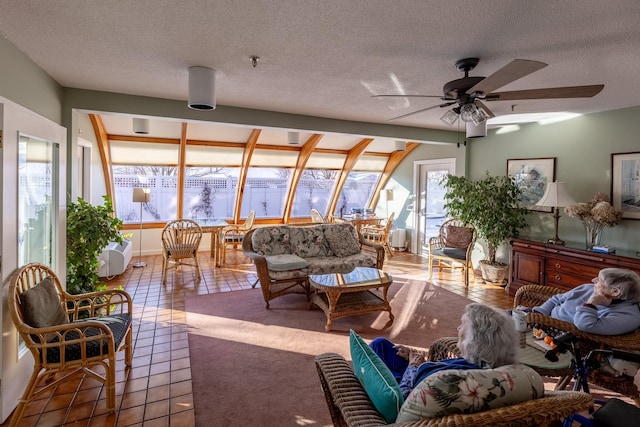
x,y
565,280
561,265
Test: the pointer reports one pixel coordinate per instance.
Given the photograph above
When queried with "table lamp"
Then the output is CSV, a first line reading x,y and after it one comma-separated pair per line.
x,y
556,196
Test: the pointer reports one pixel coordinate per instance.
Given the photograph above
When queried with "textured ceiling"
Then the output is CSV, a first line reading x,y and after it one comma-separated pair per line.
x,y
326,58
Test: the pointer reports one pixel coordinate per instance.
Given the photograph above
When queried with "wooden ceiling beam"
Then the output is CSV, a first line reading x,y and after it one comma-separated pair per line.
x,y
349,163
250,146
105,154
394,161
181,164
303,157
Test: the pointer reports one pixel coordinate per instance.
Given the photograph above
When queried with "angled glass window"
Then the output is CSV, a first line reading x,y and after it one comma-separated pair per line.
x,y
210,192
314,191
357,191
265,191
146,165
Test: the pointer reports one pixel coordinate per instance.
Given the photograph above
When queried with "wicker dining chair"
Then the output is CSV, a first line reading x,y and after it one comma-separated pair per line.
x,y
380,234
73,335
180,243
317,217
233,235
534,295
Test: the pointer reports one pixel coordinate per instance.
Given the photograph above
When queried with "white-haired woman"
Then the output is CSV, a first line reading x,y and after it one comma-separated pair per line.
x,y
486,338
608,306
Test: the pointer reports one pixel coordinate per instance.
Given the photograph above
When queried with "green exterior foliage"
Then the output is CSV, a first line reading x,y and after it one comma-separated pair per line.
x,y
89,230
491,205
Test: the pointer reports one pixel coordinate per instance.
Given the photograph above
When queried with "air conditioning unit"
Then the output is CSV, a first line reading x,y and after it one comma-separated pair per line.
x,y
115,258
399,239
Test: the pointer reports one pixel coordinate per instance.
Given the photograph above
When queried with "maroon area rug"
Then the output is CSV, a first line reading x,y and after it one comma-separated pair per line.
x,y
254,367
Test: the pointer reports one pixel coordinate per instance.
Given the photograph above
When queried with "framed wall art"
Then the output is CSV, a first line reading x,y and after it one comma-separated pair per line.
x,y
532,176
625,183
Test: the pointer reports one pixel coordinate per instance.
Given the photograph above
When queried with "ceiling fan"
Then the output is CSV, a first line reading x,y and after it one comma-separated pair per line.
x,y
470,92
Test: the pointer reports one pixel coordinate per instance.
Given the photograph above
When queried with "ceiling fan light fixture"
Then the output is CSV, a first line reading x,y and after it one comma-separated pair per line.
x,y
468,111
450,117
202,88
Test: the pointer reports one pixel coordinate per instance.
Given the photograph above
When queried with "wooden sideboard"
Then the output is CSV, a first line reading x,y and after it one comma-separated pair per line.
x,y
564,267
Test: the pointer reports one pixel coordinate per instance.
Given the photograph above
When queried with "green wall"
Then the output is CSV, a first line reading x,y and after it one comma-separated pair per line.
x,y
23,82
582,147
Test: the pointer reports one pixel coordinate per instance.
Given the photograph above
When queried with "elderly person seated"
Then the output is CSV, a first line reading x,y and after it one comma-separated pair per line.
x,y
608,306
486,339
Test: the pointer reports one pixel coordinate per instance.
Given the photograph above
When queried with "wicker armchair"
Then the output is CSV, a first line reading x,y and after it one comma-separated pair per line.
x,y
453,245
533,295
349,404
99,325
180,243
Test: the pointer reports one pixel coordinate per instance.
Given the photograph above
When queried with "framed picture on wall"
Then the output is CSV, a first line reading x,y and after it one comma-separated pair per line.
x,y
625,183
532,176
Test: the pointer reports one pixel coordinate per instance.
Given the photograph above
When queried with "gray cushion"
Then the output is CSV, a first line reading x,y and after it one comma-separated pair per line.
x,y
41,306
285,262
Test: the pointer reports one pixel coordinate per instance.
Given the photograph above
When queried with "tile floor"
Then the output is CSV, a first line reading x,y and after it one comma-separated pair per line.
x,y
157,392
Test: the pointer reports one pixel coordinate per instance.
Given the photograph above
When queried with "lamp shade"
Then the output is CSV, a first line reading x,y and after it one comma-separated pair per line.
x,y
556,195
476,131
141,195
141,126
389,195
202,88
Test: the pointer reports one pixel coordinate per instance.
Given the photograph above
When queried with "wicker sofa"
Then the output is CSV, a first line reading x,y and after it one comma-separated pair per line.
x,y
349,404
285,255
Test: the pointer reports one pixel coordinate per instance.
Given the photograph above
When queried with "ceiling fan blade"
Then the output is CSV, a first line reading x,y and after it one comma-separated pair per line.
x,y
516,69
406,96
547,93
485,108
446,104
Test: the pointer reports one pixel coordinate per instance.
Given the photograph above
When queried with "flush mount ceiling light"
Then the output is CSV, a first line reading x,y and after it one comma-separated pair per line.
x,y
202,88
293,138
399,146
141,126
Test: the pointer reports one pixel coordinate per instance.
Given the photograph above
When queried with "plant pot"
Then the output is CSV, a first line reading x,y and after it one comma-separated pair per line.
x,y
493,273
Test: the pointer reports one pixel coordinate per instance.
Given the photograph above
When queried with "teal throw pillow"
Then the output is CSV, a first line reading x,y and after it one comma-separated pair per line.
x,y
376,379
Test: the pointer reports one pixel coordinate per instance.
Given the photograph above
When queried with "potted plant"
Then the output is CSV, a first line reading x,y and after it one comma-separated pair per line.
x,y
89,230
492,206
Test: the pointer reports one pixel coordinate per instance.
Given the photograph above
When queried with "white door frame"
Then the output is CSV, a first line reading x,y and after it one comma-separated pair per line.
x,y
415,237
16,120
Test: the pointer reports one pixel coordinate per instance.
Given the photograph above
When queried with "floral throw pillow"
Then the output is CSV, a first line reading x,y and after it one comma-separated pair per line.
x,y
457,391
342,239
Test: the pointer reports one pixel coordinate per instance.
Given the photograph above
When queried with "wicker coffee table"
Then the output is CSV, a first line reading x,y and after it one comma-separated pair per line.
x,y
364,290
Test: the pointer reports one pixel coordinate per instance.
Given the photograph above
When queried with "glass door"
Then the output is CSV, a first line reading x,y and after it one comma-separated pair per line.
x,y
430,201
36,208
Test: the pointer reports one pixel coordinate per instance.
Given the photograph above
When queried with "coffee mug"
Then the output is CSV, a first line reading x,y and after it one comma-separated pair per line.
x,y
519,320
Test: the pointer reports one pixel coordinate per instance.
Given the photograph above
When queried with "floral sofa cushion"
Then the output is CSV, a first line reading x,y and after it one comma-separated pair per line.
x,y
467,391
327,265
308,241
271,240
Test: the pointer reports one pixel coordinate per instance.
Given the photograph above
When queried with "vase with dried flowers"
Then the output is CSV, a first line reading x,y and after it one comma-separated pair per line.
x,y
595,214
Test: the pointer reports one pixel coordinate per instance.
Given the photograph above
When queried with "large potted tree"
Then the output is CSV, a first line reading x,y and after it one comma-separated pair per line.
x,y
492,206
89,230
